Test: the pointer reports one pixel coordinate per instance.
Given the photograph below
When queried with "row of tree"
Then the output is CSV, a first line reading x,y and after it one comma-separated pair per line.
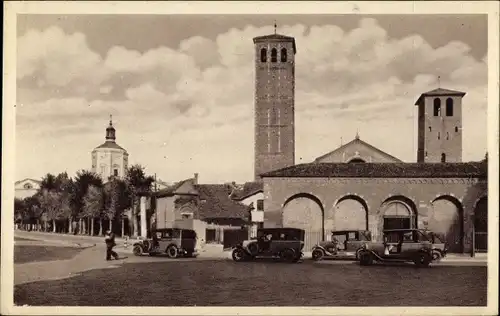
x,y
64,204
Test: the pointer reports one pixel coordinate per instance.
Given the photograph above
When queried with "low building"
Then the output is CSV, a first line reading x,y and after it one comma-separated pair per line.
x,y
26,188
448,198
206,208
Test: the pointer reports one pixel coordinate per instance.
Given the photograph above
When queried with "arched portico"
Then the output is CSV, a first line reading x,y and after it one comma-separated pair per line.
x,y
481,224
446,220
350,213
305,211
398,212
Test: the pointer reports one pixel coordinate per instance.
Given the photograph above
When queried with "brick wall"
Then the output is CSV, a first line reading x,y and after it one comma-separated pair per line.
x,y
419,193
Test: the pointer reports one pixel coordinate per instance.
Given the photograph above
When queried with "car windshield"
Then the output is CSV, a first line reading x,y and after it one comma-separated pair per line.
x,y
434,238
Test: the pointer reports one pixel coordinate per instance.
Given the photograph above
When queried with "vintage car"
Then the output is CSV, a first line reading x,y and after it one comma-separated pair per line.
x,y
277,243
174,242
344,244
399,245
439,247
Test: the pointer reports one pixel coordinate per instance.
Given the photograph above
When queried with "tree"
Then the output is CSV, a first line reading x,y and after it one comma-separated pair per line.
x,y
19,210
83,180
138,184
93,203
33,210
48,182
54,204
116,200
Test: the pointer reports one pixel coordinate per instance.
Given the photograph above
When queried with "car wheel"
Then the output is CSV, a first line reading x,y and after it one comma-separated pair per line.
x,y
422,260
253,249
238,255
436,256
365,258
288,255
137,250
318,254
172,252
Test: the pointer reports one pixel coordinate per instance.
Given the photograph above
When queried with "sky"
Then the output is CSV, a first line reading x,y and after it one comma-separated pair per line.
x,y
181,87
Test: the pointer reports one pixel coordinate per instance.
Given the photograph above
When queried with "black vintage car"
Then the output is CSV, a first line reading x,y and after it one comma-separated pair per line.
x,y
344,244
399,245
174,242
277,243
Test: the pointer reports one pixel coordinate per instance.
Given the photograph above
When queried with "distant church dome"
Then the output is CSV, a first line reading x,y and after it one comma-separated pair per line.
x,y
110,137
110,159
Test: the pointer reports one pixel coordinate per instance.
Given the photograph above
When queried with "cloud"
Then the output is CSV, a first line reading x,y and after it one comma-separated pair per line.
x,y
186,109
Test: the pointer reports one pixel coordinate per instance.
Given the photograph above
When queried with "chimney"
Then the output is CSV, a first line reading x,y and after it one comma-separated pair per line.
x,y
195,178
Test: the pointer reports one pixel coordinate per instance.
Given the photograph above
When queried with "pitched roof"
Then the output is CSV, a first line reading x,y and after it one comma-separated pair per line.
x,y
439,92
359,141
170,190
28,179
216,203
110,144
248,189
382,170
276,37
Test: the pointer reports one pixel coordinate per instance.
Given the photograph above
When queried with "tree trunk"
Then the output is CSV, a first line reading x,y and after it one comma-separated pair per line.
x,y
53,226
84,226
110,225
70,222
135,223
123,227
80,226
37,225
100,226
91,226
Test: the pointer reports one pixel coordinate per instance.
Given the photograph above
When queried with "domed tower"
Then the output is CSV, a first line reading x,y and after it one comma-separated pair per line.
x,y
109,159
274,102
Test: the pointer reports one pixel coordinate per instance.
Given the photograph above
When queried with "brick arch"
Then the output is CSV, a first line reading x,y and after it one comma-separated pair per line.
x,y
307,214
357,198
481,223
447,221
412,206
388,221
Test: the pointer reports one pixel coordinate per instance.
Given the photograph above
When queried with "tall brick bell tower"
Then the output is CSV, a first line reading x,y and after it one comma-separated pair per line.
x,y
274,102
440,126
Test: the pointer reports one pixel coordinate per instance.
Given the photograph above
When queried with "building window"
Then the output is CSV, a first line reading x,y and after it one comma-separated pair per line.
x,y
430,129
437,107
263,55
443,157
115,172
28,186
426,154
103,169
260,205
447,136
187,215
449,107
283,55
274,55
439,135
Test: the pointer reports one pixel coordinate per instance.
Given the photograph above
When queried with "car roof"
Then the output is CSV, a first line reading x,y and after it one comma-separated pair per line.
x,y
349,231
282,229
402,230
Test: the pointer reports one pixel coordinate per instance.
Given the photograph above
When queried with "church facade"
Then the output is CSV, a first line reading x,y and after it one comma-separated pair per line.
x,y
359,186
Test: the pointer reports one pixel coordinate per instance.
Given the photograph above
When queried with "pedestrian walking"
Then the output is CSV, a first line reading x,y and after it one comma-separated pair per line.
x,y
110,243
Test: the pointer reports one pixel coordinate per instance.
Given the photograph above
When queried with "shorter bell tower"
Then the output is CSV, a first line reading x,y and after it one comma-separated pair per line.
x,y
440,126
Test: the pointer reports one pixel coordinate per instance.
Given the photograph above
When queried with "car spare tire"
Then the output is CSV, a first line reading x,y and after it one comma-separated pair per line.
x,y
365,258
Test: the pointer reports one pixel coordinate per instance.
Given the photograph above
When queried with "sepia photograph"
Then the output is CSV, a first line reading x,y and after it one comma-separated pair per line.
x,y
187,155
